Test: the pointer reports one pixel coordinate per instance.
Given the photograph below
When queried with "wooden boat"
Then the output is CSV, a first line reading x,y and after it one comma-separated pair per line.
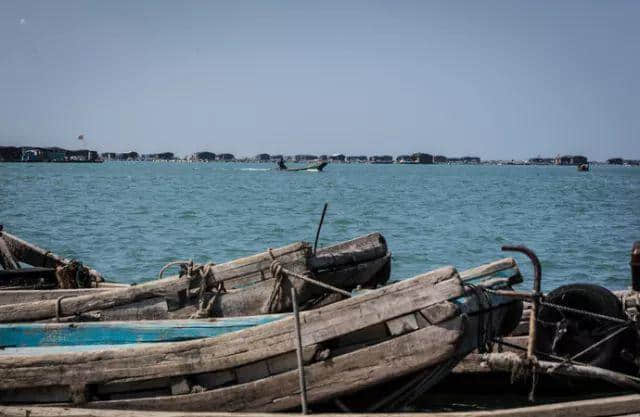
x,y
47,270
421,325
258,284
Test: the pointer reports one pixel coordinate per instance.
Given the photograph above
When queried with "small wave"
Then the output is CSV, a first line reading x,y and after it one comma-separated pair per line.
x,y
255,169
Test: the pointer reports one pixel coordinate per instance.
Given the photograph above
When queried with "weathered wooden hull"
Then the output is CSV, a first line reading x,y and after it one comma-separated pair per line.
x,y
249,285
49,270
428,321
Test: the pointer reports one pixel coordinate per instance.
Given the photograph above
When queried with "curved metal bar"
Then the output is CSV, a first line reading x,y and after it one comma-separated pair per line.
x,y
537,269
535,302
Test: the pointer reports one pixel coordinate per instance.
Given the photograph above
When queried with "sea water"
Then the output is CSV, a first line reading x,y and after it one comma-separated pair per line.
x,y
127,219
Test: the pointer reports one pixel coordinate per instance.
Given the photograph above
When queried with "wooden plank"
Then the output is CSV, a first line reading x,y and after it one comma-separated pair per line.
x,y
340,375
110,285
488,269
365,274
214,379
148,309
372,239
358,250
367,335
254,299
444,285
27,296
440,312
362,249
7,261
141,385
91,302
288,361
594,407
245,270
235,349
252,371
403,324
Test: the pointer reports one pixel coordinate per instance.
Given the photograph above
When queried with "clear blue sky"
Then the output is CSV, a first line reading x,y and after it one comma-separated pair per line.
x,y
498,79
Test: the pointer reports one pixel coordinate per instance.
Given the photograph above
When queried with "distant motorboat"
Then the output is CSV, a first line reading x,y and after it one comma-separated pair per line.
x,y
313,167
583,167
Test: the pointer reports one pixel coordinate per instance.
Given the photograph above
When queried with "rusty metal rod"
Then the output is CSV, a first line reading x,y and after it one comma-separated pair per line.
x,y
324,211
303,384
537,283
316,282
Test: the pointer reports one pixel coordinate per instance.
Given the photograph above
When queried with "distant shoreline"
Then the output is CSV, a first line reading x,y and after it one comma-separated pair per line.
x,y
60,155
252,161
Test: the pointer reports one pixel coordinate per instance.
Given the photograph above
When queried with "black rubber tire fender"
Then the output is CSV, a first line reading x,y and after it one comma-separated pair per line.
x,y
583,331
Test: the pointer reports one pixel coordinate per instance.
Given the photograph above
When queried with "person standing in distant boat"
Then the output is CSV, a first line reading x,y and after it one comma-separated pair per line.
x,y
281,164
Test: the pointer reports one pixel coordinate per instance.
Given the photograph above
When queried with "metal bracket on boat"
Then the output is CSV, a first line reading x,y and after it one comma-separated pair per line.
x,y
536,296
564,365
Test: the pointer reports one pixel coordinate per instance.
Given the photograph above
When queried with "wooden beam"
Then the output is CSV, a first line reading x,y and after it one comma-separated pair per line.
x,y
27,296
488,269
616,405
510,360
7,261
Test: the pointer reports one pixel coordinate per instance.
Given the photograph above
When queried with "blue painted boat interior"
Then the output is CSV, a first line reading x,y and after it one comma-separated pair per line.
x,y
16,335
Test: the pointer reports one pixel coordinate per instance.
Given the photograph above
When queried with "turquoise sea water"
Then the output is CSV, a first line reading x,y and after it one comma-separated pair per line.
x,y
127,219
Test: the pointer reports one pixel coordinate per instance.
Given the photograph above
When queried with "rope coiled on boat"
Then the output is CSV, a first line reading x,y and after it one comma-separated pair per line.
x,y
73,274
485,324
203,272
277,272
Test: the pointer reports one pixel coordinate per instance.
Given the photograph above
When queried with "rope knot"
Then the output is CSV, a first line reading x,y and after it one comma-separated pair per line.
x,y
276,269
